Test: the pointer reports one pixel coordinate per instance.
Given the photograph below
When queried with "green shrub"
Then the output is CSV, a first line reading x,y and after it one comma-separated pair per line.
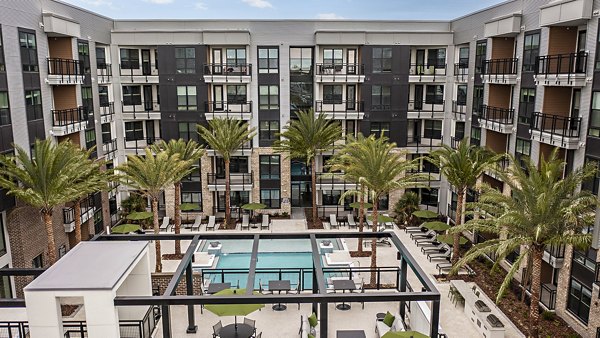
x,y
548,315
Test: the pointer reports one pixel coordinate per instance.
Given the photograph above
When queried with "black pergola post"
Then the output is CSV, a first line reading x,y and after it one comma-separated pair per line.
x,y
192,328
315,289
166,321
323,316
403,268
435,318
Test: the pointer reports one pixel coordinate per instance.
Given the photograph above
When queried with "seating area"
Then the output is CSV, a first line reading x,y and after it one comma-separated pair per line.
x,y
212,223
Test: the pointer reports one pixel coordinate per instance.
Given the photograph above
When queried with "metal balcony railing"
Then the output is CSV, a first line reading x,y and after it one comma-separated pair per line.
x,y
238,69
332,178
107,109
243,179
420,69
109,147
495,114
459,110
556,125
339,69
246,146
225,108
64,67
548,296
339,107
426,108
140,144
454,141
568,64
556,251
69,212
131,69
501,66
67,117
141,109
461,71
104,72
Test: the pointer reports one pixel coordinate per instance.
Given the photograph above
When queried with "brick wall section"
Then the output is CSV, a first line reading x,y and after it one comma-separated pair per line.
x,y
499,96
161,281
503,48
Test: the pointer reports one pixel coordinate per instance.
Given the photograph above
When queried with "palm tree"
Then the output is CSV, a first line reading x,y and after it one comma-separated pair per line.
x,y
43,181
306,137
543,209
462,167
226,136
190,152
404,208
381,170
150,174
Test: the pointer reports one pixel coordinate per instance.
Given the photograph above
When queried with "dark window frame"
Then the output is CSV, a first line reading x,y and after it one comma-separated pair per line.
x,y
269,134
33,106
272,99
191,101
190,132
2,61
333,93
5,109
377,127
237,94
29,56
574,299
185,63
270,167
531,51
381,97
129,58
136,132
270,63
433,132
273,202
193,197
132,95
480,55
433,95
382,62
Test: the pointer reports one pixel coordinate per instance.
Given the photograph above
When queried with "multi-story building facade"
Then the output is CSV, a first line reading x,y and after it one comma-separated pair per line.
x,y
519,77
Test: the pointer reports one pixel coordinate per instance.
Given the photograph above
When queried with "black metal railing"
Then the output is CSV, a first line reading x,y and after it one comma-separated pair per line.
x,y
340,211
548,296
141,328
104,72
339,108
67,117
426,108
501,165
556,124
131,69
14,329
461,71
500,69
65,67
459,110
141,109
109,147
339,69
555,250
140,144
243,179
420,69
332,178
238,69
69,212
573,63
597,273
228,109
244,149
496,114
455,141
107,109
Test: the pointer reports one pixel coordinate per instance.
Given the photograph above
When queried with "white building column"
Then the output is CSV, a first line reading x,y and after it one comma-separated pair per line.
x,y
44,315
101,315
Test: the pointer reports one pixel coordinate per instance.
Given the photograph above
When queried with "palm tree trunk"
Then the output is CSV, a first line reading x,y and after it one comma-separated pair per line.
x,y
77,212
47,215
456,235
361,215
227,195
536,275
314,191
156,231
177,216
373,280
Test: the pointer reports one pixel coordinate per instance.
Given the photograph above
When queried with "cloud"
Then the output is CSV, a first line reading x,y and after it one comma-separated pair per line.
x,y
258,3
160,2
329,16
201,6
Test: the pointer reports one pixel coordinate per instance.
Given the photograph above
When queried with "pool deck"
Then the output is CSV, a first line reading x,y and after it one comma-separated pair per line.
x,y
286,323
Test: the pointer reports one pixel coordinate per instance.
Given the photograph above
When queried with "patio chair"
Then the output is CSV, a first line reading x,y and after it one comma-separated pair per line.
x,y
217,329
415,230
351,221
245,222
424,241
263,288
438,256
251,323
434,248
166,224
266,223
333,221
211,223
428,234
443,267
388,225
197,222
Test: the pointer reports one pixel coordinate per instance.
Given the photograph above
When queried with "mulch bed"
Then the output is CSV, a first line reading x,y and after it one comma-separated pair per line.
x,y
360,254
318,224
172,257
511,304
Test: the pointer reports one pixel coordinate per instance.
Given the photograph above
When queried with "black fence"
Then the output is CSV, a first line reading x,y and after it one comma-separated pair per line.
x,y
107,109
237,69
501,66
459,110
496,114
339,107
140,144
131,69
69,213
461,71
64,67
225,108
14,329
548,296
426,108
573,63
555,250
339,69
556,124
104,72
426,69
243,179
67,117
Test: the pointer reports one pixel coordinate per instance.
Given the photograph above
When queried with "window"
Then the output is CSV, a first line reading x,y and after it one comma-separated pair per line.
x,y
595,115
134,131
269,167
185,60
268,130
301,96
378,128
2,64
526,105
429,196
87,99
383,203
434,94
195,175
3,249
523,148
237,198
38,261
476,136
300,60
106,133
90,138
4,109
268,60
101,58
5,286
236,94
592,184
103,96
268,97
433,129
332,94
333,56
436,57
235,56
461,95
477,98
29,57
381,98
531,50
382,60
188,131
83,50
130,58
192,197
331,197
186,98
463,57
579,300
33,105
270,198
459,131
480,56
132,95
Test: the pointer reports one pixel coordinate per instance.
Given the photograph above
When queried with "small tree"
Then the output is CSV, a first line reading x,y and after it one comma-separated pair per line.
x,y
404,208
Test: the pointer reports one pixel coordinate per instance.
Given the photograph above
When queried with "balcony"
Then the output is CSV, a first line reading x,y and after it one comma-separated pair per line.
x,y
244,150
454,142
556,130
87,212
566,12
64,71
548,296
132,72
500,166
461,72
333,181
554,255
107,112
417,144
110,149
497,119
224,109
427,73
136,147
103,72
341,110
459,111
146,110
68,121
237,181
500,71
227,73
340,73
433,109
561,70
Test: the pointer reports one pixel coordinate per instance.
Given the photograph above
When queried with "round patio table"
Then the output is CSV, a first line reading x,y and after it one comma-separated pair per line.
x,y
242,331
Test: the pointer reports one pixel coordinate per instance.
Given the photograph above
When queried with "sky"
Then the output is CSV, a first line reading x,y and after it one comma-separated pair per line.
x,y
284,9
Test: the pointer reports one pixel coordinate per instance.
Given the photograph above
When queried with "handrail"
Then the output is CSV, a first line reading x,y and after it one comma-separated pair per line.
x,y
573,63
228,69
556,251
140,144
145,107
107,110
461,71
332,178
506,66
426,69
338,106
335,68
548,297
68,67
103,71
66,117
234,179
226,108
496,114
422,106
69,212
556,124
454,142
458,108
109,147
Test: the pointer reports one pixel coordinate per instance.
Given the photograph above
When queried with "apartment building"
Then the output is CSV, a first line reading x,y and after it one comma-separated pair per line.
x,y
519,77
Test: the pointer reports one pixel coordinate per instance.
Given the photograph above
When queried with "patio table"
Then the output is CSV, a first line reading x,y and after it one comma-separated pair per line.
x,y
344,284
239,331
351,334
216,287
279,285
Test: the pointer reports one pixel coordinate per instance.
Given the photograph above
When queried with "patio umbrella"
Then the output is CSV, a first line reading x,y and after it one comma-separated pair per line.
x,y
425,214
139,215
381,218
235,310
404,334
125,228
356,205
436,225
188,206
448,239
253,206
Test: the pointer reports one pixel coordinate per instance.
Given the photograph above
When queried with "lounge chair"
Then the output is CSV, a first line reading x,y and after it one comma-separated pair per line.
x,y
415,230
440,256
425,241
197,222
434,248
211,223
351,221
428,234
266,223
333,221
245,222
166,224
388,225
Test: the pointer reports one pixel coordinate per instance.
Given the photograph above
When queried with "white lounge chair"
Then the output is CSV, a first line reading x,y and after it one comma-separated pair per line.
x,y
388,225
266,223
211,223
245,222
166,224
351,221
196,225
333,221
